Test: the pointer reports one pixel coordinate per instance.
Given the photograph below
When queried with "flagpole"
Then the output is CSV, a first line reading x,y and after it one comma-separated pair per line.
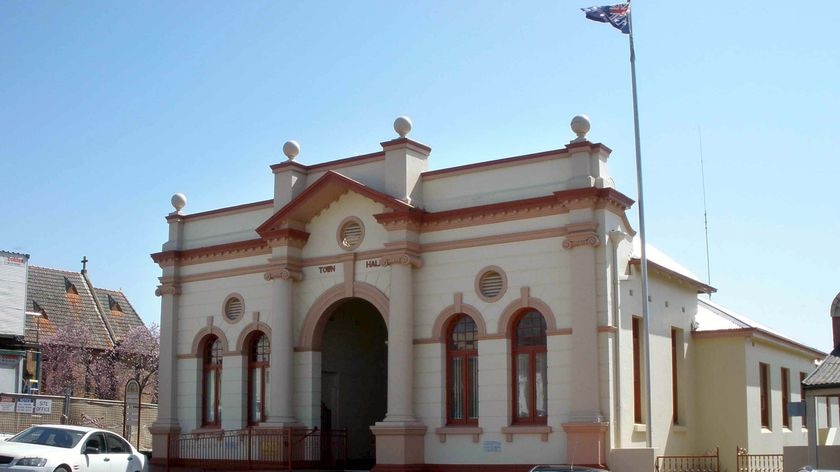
x,y
645,310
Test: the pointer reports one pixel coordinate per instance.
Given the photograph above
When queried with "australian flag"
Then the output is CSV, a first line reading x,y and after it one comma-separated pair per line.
x,y
615,15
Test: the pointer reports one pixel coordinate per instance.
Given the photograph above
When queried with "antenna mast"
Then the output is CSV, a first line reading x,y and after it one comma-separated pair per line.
x,y
705,213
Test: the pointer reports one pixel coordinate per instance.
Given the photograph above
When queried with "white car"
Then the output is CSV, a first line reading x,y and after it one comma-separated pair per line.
x,y
65,448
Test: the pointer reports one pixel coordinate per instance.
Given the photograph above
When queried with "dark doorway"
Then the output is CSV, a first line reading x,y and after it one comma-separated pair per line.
x,y
354,377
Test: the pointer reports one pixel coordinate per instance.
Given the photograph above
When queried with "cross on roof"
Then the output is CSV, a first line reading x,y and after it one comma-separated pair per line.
x,y
84,264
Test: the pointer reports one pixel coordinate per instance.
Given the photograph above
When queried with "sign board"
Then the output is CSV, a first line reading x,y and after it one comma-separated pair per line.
x,y
25,405
43,406
13,272
131,410
796,409
492,446
7,403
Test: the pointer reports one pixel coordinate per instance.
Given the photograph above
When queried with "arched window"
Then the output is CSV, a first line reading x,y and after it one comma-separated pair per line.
x,y
211,381
529,369
462,371
259,352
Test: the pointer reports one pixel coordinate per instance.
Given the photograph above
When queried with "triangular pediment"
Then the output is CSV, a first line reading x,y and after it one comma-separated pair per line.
x,y
317,197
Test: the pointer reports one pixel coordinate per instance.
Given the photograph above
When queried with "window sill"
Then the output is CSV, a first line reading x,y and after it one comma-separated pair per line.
x,y
473,431
541,429
639,428
679,428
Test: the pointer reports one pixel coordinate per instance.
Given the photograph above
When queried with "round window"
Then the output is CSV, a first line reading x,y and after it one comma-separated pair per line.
x,y
233,308
351,232
491,283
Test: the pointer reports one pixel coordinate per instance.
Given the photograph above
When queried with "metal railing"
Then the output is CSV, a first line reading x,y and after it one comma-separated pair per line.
x,y
258,448
709,462
758,462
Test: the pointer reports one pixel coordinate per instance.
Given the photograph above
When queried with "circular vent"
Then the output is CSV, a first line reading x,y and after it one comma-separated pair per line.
x,y
234,308
350,233
491,284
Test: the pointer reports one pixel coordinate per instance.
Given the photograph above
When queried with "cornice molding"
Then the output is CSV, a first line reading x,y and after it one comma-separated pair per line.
x,y
218,252
285,237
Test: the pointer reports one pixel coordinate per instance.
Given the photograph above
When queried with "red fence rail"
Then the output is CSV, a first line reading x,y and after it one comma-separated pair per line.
x,y
256,448
705,463
759,462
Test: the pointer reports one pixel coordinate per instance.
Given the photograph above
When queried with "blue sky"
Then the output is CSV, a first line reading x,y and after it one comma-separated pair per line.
x,y
108,108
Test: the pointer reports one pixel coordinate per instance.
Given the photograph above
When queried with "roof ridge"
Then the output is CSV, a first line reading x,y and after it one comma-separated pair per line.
x,y
32,266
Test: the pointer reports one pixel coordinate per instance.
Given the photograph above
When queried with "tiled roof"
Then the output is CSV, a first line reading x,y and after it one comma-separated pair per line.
x,y
827,374
49,291
119,312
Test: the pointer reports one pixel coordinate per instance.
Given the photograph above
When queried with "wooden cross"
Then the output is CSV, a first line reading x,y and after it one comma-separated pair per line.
x,y
84,263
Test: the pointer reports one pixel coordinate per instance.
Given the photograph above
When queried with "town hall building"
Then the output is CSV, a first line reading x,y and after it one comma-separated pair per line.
x,y
485,314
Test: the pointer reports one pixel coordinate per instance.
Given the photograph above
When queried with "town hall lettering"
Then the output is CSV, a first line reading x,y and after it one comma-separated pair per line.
x,y
371,263
326,269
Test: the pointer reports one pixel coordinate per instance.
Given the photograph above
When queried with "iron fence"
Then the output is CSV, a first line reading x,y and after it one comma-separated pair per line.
x,y
709,462
259,448
759,462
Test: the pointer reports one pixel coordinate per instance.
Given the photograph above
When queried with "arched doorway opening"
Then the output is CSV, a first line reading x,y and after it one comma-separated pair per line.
x,y
354,376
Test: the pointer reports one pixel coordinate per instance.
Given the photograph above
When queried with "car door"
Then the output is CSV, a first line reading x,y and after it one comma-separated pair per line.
x,y
121,455
96,460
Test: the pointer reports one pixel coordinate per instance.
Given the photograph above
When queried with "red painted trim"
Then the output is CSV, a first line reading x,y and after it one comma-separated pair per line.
x,y
405,141
332,182
478,467
220,211
532,352
355,160
250,244
479,165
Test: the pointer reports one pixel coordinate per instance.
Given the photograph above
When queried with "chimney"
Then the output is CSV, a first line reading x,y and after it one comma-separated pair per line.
x,y
835,319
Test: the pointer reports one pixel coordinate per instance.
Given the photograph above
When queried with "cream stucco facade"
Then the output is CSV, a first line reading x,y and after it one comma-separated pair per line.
x,y
356,268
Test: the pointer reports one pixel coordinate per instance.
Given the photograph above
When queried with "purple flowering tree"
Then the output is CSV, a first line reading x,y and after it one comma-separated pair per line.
x,y
72,360
69,357
138,355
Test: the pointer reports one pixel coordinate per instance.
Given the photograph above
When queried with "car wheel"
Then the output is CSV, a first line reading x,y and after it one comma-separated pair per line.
x,y
62,468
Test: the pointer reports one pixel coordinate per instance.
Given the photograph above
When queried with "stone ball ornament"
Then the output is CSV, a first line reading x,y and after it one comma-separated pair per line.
x,y
580,126
402,125
291,149
179,200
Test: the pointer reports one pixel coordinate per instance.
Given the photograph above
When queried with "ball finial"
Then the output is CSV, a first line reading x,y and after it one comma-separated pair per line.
x,y
580,126
402,125
179,200
291,149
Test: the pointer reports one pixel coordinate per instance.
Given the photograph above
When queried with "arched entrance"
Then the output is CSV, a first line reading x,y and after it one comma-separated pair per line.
x,y
354,375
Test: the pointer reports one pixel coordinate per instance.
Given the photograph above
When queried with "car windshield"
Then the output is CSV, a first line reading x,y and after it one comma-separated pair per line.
x,y
58,437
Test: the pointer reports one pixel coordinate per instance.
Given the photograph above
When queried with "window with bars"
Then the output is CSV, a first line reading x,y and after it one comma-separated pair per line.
x,y
462,371
259,355
211,382
530,369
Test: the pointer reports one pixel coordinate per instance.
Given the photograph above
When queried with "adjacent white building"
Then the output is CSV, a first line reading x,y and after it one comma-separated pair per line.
x,y
483,314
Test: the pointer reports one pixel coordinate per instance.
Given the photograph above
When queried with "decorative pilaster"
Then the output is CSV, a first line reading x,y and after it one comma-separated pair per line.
x,y
170,292
281,401
580,241
399,437
167,419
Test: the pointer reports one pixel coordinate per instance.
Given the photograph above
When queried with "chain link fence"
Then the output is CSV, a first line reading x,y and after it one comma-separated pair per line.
x,y
49,409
